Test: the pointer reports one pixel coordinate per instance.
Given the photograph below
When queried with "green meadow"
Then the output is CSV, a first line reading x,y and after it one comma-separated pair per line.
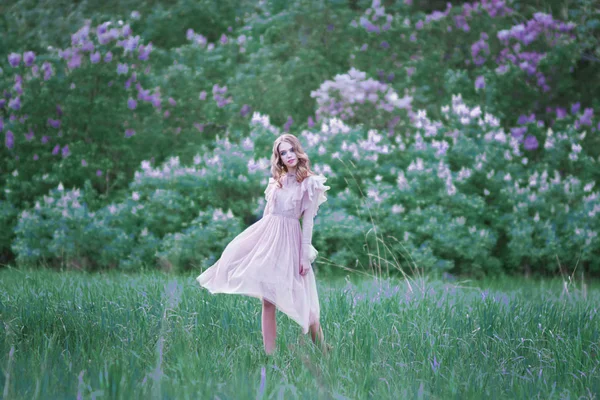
x,y
70,335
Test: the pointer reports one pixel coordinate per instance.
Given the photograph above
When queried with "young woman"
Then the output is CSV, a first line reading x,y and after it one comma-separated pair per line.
x,y
271,259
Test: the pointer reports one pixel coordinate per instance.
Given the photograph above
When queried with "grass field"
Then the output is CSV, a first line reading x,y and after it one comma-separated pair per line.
x,y
75,336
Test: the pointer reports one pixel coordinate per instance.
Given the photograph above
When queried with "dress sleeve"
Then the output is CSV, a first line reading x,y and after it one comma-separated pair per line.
x,y
269,197
313,197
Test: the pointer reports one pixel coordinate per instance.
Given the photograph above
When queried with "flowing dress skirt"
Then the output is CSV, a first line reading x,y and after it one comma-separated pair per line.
x,y
264,262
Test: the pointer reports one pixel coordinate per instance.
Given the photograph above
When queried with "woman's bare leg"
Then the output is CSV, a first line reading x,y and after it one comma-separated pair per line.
x,y
316,332
269,326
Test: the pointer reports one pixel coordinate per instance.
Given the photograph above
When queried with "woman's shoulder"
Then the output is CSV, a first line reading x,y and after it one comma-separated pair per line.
x,y
315,177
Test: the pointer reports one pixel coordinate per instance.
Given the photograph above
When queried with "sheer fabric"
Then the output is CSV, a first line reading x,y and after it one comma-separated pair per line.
x,y
264,260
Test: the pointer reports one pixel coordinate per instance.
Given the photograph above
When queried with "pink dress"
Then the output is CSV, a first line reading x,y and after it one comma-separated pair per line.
x,y
264,260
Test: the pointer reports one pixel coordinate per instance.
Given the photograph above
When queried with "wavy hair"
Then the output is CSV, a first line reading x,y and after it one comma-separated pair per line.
x,y
278,167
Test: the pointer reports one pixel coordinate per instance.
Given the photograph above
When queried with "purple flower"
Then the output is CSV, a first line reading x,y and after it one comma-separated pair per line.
x,y
14,59
172,102
18,87
435,365
130,44
129,132
1,124
108,57
74,61
479,82
419,25
47,68
29,136
156,102
518,133
95,57
15,103
131,103
202,95
2,103
83,162
531,143
55,123
198,126
288,124
45,139
122,69
126,31
223,39
385,45
9,140
167,114
523,119
245,110
28,58
55,150
65,151
101,29
59,110
88,46
35,157
311,123
144,51
586,118
561,113
575,108
99,172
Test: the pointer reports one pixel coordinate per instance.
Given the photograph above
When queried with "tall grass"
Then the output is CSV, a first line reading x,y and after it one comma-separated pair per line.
x,y
70,335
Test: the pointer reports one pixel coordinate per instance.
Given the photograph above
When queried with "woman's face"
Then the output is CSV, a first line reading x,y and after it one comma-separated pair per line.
x,y
288,154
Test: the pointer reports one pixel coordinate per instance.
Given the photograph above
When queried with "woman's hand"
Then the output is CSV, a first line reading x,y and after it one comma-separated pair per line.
x,y
304,267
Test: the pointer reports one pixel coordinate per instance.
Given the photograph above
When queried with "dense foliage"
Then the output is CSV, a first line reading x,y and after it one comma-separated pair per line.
x,y
470,126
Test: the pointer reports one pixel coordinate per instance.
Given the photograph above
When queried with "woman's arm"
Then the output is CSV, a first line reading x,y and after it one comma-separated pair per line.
x,y
307,230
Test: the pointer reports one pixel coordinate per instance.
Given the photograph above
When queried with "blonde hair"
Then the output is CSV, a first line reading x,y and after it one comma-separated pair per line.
x,y
278,167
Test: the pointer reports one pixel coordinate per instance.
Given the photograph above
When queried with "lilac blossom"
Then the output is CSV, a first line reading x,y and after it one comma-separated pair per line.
x,y
246,109
288,124
531,143
518,132
47,69
480,82
95,57
55,123
144,51
15,103
9,140
14,59
55,150
131,103
28,58
65,151
122,69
